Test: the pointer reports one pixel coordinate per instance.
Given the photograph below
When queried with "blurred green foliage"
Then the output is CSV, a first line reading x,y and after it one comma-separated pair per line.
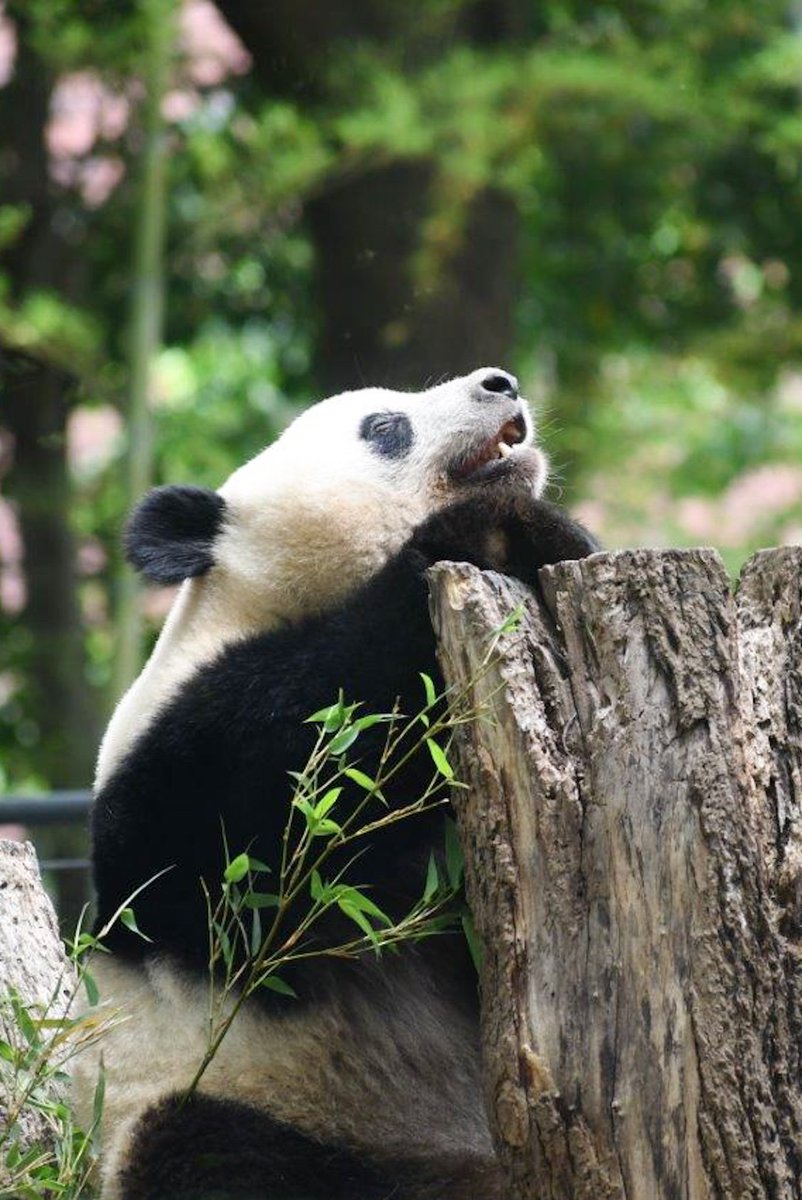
x,y
654,153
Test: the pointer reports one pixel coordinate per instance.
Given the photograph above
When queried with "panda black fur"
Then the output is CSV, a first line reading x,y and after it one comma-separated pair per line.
x,y
368,1084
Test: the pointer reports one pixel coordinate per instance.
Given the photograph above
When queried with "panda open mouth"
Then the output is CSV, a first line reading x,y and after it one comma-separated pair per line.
x,y
493,455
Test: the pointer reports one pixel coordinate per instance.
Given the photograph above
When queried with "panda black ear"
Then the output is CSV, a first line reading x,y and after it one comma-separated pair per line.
x,y
170,534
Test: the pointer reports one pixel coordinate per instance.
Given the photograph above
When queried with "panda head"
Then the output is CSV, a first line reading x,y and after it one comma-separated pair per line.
x,y
306,522
321,509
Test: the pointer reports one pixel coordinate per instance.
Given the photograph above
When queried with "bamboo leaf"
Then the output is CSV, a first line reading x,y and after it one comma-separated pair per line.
x,y
428,687
455,863
325,828
361,778
432,880
276,984
439,759
471,937
358,917
237,869
327,802
343,740
253,899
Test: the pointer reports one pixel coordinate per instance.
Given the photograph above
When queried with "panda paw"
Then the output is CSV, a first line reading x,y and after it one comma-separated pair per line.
x,y
510,531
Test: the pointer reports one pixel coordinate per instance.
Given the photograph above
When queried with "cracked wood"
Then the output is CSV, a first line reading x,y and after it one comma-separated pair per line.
x,y
633,842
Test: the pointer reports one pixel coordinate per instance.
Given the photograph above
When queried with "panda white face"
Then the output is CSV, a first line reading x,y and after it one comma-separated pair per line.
x,y
326,505
317,513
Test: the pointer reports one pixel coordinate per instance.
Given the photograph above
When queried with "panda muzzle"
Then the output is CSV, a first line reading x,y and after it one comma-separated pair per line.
x,y
494,453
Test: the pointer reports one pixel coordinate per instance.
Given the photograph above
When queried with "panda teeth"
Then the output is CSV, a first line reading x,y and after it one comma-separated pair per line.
x,y
504,450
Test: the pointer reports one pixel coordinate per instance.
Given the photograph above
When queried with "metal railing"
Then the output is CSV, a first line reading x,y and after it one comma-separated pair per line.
x,y
53,808
67,875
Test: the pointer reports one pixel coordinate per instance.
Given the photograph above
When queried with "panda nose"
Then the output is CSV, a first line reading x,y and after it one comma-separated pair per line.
x,y
497,383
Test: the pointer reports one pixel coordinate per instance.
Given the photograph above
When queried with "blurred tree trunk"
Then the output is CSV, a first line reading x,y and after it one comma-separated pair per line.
x,y
36,412
37,398
378,326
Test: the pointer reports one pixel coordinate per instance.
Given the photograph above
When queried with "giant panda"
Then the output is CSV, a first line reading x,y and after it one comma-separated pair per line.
x,y
303,576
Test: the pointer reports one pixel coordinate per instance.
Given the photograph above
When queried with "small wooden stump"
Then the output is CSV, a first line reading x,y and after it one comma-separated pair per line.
x,y
633,842
34,967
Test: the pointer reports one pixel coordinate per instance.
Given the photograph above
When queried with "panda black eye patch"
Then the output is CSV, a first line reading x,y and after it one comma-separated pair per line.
x,y
389,434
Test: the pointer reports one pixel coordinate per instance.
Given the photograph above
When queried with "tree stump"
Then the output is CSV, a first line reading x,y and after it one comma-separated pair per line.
x,y
633,844
33,967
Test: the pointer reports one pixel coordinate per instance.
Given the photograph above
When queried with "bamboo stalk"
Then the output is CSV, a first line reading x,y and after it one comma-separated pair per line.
x,y
147,312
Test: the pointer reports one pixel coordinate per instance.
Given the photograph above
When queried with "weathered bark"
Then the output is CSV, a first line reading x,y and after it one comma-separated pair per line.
x,y
632,835
33,966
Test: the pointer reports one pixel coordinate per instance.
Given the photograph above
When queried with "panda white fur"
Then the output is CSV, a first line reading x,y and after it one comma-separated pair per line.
x,y
303,575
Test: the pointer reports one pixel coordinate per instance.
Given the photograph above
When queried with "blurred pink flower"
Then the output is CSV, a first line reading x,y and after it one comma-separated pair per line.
x,y
180,103
155,603
751,503
698,517
83,109
91,557
213,49
591,513
8,47
92,436
12,581
13,833
99,178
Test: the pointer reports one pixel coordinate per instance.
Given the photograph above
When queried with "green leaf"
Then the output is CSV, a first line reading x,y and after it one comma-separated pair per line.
x,y
432,880
275,984
428,686
455,862
327,802
258,865
91,989
331,718
253,899
22,1165
223,941
256,933
129,921
343,740
316,888
361,778
24,1021
371,719
303,805
510,622
471,937
99,1098
237,869
7,1052
84,942
365,904
324,828
439,759
358,917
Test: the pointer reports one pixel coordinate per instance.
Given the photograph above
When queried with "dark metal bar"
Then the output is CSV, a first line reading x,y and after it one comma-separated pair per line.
x,y
52,809
65,864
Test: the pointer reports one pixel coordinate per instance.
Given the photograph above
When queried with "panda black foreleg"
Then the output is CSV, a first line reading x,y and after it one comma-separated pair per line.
x,y
208,1148
508,531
